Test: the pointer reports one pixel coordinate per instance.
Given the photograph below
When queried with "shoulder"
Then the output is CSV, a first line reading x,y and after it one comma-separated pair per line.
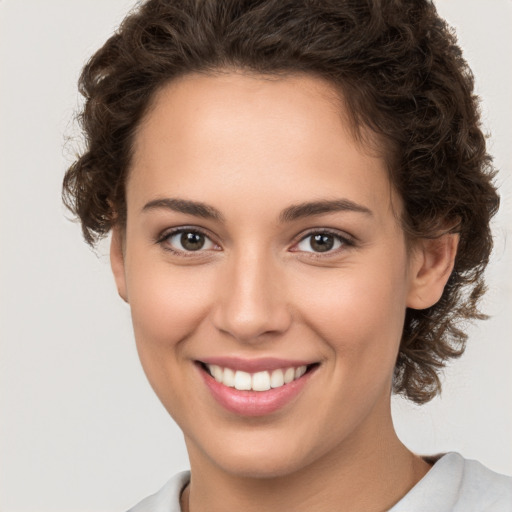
x,y
479,485
455,484
167,499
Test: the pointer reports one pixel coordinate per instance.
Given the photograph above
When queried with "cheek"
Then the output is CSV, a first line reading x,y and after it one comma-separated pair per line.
x,y
167,306
166,303
359,313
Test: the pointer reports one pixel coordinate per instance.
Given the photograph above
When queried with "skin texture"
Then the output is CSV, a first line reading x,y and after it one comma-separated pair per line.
x,y
250,147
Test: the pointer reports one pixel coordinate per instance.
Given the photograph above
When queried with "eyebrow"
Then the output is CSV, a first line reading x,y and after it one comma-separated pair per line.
x,y
310,209
289,214
195,208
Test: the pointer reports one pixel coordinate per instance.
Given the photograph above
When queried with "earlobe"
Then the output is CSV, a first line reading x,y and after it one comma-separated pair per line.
x,y
432,264
117,263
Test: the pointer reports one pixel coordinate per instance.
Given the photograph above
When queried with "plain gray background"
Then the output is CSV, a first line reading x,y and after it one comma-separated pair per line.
x,y
80,429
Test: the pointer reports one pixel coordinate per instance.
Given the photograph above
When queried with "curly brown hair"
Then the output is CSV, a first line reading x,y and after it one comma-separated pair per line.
x,y
402,76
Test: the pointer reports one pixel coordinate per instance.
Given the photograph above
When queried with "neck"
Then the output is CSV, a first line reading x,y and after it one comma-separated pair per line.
x,y
361,476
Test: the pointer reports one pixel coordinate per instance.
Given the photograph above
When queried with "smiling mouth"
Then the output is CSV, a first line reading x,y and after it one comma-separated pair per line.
x,y
258,381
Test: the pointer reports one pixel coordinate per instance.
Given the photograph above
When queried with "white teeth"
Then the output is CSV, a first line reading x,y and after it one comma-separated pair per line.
x,y
300,371
217,372
243,381
259,381
277,379
289,375
228,379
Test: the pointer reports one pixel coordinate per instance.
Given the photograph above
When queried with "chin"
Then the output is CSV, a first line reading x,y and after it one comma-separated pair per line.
x,y
260,467
266,455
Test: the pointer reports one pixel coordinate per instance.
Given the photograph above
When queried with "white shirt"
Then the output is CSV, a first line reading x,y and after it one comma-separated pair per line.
x,y
454,484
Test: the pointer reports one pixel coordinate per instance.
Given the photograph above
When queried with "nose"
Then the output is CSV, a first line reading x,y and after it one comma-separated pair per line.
x,y
252,305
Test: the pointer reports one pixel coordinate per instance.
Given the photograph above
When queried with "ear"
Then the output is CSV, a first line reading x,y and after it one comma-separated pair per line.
x,y
432,263
117,262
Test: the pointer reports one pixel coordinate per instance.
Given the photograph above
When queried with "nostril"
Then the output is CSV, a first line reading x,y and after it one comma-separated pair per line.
x,y
252,306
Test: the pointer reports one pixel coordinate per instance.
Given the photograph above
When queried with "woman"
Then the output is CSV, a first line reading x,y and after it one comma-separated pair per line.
x,y
299,196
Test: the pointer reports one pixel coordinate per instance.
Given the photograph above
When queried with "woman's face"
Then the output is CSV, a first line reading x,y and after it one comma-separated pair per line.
x,y
261,237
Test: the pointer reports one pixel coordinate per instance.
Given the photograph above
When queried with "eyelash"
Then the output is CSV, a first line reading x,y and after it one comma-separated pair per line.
x,y
167,235
344,241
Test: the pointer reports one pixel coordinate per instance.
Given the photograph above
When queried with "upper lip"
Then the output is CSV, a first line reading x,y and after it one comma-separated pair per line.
x,y
255,365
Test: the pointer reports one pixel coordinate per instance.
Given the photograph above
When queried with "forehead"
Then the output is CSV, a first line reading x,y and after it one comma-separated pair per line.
x,y
243,133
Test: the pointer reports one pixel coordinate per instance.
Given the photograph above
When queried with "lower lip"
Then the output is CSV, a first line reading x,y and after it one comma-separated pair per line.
x,y
254,403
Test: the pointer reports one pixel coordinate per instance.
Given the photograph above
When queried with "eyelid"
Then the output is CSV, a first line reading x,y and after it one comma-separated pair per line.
x,y
345,239
166,234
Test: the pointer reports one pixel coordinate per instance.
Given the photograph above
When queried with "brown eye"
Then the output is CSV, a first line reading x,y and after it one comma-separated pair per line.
x,y
188,240
321,242
191,241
